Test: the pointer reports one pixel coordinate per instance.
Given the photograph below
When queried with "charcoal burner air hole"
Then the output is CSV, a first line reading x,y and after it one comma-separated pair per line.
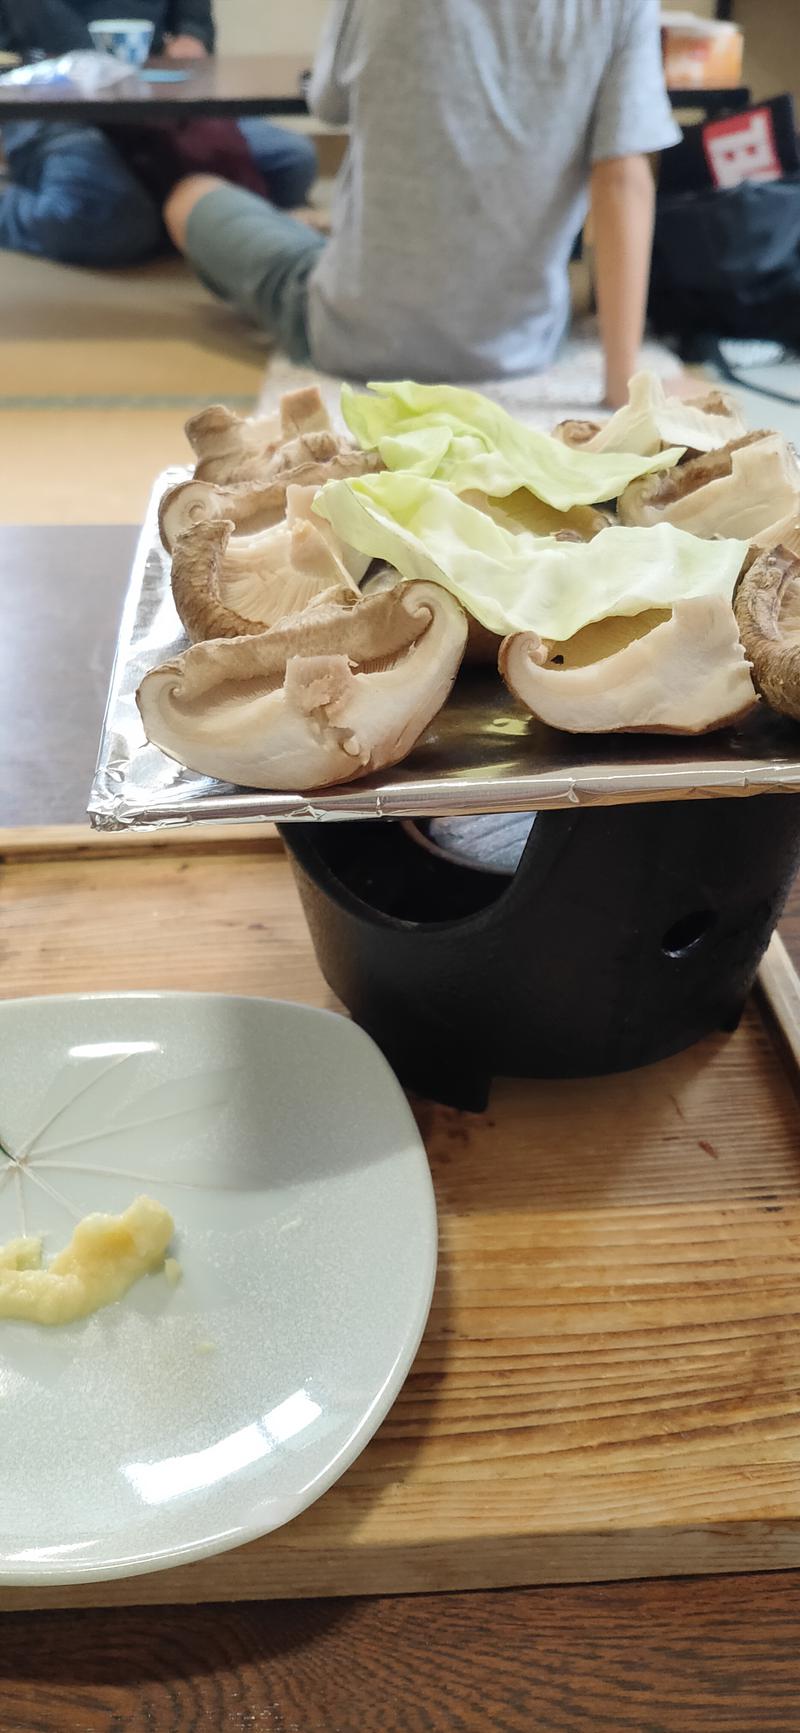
x,y
683,935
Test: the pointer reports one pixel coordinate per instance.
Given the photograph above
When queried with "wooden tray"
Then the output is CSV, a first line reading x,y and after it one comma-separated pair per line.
x,y
610,1382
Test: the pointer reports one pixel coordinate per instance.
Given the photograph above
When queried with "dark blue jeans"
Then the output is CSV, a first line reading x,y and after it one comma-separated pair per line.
x,y
287,160
71,197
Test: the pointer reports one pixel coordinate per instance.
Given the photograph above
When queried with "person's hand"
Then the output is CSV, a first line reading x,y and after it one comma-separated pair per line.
x,y
185,48
688,385
313,219
616,391
684,385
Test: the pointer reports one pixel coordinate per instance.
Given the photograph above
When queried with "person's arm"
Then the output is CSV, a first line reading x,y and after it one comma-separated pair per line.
x,y
632,119
190,27
327,94
623,204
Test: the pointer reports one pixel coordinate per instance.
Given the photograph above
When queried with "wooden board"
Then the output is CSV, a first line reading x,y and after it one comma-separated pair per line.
x,y
610,1382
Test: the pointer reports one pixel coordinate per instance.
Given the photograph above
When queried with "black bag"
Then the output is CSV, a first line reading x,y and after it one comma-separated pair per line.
x,y
726,253
754,142
727,264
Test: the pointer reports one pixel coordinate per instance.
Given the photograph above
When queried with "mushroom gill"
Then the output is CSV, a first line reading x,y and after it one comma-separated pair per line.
x,y
332,694
227,586
739,490
683,674
767,608
251,506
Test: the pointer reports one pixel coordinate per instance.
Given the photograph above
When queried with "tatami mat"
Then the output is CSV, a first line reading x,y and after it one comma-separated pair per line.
x,y
98,372
75,466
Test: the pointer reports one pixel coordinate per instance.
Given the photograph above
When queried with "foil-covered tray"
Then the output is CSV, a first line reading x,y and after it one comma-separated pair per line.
x,y
482,753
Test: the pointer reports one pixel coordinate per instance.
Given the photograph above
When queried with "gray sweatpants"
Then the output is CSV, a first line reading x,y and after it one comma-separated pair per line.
x,y
258,259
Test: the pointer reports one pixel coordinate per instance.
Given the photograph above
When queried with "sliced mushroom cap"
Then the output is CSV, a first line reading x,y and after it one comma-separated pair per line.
x,y
577,433
228,587
716,402
255,505
767,608
330,695
652,420
232,447
737,491
247,506
305,448
687,675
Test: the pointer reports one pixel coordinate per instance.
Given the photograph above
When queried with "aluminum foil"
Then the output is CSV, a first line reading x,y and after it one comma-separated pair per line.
x,y
482,753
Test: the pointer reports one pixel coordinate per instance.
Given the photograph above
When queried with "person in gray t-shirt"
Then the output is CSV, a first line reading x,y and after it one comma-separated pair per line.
x,y
480,132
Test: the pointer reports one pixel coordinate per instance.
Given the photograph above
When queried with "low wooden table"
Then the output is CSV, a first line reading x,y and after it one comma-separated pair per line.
x,y
222,85
672,1655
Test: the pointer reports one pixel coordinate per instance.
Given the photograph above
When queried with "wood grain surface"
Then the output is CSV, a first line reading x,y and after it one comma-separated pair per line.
x,y
779,984
610,1381
671,1657
674,1656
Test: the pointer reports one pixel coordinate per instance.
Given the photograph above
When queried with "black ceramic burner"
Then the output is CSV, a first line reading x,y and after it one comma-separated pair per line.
x,y
626,934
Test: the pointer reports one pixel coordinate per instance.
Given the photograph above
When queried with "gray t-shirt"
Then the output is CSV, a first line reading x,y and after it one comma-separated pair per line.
x,y
473,127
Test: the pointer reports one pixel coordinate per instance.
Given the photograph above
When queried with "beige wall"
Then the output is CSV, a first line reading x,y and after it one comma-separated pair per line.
x,y
772,45
772,41
772,33
256,26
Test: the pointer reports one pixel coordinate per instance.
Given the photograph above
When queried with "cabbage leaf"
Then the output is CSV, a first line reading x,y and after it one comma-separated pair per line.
x,y
514,582
463,439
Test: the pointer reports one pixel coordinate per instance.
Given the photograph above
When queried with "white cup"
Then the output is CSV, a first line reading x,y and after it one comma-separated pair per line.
x,y
129,39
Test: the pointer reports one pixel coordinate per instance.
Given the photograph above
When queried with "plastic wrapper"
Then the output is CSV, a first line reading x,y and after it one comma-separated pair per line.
x,y
82,70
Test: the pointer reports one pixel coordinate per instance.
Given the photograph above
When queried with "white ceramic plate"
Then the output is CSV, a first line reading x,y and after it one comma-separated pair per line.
x,y
186,1420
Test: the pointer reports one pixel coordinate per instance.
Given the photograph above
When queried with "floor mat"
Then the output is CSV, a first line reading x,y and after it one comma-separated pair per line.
x,y
98,373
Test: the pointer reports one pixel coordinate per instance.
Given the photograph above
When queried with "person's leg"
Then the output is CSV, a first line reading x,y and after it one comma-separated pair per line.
x,y
70,197
253,256
287,160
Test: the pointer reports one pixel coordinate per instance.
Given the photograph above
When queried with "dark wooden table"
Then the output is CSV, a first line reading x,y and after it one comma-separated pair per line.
x,y
61,593
678,1656
227,84
717,1654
